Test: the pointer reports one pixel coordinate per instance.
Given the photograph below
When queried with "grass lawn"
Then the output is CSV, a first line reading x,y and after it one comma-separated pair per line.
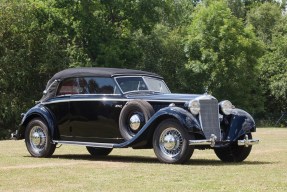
x,y
71,168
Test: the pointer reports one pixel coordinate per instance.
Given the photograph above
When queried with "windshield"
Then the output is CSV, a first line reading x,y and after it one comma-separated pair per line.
x,y
136,84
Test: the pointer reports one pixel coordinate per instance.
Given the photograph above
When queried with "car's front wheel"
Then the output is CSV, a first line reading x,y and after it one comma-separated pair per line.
x,y
171,142
233,153
38,139
95,151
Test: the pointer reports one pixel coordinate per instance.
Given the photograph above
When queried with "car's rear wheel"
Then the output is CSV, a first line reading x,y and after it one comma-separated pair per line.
x,y
171,142
95,151
38,140
133,117
233,153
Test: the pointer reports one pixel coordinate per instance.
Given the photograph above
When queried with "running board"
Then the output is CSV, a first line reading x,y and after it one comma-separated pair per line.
x,y
87,144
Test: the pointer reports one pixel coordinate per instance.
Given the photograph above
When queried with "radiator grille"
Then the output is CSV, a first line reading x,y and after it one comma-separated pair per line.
x,y
209,118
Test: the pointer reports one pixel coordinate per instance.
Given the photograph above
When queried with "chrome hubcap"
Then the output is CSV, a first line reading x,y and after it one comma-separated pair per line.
x,y
37,138
135,122
171,142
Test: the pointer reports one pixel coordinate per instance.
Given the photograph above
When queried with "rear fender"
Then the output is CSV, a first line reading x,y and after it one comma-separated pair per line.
x,y
241,123
38,111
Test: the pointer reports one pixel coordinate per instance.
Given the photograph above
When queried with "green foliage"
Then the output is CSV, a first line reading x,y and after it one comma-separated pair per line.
x,y
274,68
30,51
223,56
271,28
264,18
192,44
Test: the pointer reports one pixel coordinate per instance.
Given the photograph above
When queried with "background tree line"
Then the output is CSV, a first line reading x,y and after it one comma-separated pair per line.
x,y
238,49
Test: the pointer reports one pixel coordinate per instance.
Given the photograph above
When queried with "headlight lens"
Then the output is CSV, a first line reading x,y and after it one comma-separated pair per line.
x,y
194,107
226,107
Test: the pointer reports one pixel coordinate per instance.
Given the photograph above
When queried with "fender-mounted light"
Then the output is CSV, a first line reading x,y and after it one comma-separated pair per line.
x,y
194,107
226,107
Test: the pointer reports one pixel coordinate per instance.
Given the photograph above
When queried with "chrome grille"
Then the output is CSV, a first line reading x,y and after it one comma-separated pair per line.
x,y
209,118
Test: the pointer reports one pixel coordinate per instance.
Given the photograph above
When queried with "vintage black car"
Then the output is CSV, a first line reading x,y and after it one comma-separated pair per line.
x,y
106,108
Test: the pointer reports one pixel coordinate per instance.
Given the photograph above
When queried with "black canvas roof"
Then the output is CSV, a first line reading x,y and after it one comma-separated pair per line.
x,y
98,71
52,84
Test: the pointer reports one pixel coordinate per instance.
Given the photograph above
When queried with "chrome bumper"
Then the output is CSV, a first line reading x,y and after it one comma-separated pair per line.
x,y
247,142
212,141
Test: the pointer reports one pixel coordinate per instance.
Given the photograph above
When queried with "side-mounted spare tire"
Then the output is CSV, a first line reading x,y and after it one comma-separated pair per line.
x,y
133,117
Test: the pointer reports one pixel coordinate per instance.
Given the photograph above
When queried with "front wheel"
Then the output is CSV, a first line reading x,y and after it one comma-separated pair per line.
x,y
171,142
233,153
38,139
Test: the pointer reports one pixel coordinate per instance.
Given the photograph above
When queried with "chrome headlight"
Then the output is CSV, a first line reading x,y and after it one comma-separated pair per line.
x,y
194,107
226,107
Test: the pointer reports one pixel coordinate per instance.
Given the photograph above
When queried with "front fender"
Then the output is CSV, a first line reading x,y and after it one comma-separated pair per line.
x,y
186,119
241,123
38,111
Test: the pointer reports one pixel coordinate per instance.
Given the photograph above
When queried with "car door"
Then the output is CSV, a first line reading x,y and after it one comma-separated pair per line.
x,y
59,106
95,110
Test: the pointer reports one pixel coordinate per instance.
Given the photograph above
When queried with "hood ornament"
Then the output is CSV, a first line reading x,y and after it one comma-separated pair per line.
x,y
206,90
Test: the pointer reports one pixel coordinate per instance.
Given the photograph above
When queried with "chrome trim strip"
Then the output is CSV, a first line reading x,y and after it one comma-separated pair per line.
x,y
87,144
110,99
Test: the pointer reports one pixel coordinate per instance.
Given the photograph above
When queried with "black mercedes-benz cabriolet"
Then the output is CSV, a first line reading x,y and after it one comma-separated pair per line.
x,y
106,108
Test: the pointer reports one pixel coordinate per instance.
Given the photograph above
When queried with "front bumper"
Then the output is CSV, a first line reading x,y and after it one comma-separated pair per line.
x,y
212,142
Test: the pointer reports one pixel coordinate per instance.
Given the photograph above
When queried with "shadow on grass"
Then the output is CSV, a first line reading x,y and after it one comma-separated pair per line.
x,y
144,159
213,162
114,158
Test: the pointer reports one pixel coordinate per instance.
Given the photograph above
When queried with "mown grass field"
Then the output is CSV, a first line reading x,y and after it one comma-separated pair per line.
x,y
72,169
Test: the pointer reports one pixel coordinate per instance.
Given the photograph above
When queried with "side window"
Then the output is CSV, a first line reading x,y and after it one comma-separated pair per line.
x,y
131,84
88,85
101,85
68,86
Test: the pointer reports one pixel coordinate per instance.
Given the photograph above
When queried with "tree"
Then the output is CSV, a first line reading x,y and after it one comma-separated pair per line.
x,y
264,18
31,49
271,28
273,67
223,55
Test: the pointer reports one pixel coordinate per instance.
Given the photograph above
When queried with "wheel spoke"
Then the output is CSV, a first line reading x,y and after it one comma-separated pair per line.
x,y
38,139
171,142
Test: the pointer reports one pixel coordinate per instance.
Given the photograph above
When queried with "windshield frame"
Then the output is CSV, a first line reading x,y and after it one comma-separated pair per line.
x,y
144,80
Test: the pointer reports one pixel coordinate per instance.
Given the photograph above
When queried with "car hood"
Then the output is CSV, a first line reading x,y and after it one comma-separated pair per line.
x,y
164,97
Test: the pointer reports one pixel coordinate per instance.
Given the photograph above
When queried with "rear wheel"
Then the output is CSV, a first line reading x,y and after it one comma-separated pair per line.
x,y
38,140
171,142
95,151
233,153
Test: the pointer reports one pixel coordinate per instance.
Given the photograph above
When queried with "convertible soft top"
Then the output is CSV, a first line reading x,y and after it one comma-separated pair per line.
x,y
99,72
89,71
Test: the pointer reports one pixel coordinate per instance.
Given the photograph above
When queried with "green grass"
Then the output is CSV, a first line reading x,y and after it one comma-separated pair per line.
x,y
72,169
